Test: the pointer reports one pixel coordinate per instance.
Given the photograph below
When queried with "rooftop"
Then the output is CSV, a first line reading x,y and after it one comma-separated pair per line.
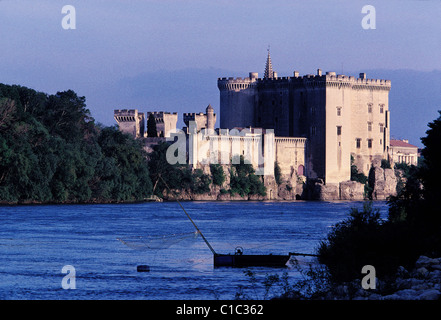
x,y
401,143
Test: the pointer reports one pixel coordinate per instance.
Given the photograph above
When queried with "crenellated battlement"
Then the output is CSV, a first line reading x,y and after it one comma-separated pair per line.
x,y
319,79
127,115
289,140
161,113
130,121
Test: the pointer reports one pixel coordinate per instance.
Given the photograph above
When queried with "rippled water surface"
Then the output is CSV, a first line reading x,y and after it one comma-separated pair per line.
x,y
37,241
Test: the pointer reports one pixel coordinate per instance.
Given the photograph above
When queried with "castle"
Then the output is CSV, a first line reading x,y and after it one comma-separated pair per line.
x,y
340,116
318,124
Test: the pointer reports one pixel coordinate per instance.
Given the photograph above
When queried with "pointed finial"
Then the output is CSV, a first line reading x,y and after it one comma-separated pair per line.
x,y
269,74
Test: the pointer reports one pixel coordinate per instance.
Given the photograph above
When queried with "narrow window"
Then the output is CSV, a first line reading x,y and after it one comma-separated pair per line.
x,y
381,128
339,130
370,107
381,108
358,140
369,126
338,111
369,143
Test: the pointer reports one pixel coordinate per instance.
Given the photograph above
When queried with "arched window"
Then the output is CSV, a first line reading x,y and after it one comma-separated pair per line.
x,y
301,170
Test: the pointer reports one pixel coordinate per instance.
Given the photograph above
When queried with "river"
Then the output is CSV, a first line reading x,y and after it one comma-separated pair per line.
x,y
36,242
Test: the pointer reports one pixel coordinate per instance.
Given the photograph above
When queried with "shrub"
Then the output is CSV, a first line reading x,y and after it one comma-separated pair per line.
x,y
243,180
364,239
277,173
217,174
385,164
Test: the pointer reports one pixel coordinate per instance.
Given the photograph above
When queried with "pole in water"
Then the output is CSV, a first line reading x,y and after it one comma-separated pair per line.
x,y
188,216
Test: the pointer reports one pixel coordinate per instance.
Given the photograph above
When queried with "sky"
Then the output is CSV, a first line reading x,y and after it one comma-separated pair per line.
x,y
126,54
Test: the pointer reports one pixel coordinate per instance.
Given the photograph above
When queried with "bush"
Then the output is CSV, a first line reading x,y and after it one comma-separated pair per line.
x,y
177,177
217,174
277,173
364,239
243,180
385,164
357,176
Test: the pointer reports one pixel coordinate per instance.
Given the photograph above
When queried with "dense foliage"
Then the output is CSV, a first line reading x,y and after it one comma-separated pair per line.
x,y
151,126
177,177
51,150
244,181
356,175
413,227
217,173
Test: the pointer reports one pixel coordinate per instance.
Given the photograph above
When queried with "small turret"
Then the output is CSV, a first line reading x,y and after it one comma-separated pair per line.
x,y
210,117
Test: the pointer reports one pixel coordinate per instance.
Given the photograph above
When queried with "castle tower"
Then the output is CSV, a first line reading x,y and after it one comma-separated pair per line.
x,y
340,116
210,118
203,121
238,100
130,121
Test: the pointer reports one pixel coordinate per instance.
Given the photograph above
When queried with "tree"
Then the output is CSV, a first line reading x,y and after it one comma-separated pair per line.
x,y
51,150
244,181
151,126
217,174
124,168
431,169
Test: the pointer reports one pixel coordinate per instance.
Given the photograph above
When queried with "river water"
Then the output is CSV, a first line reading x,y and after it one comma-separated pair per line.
x,y
36,242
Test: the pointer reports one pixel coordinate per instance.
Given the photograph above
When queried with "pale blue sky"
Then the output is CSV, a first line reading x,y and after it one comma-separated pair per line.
x,y
117,40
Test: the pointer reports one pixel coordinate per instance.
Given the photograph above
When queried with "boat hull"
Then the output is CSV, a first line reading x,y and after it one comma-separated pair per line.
x,y
246,260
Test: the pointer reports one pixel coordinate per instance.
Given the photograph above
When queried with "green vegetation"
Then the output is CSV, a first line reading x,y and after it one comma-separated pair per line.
x,y
51,150
151,126
244,181
177,177
357,176
277,173
217,173
385,164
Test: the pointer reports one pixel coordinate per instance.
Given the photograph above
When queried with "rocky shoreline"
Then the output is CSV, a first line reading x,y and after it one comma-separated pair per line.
x,y
423,282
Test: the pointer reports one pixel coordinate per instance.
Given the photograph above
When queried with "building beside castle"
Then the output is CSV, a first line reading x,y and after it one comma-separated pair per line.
x,y
205,144
340,116
402,151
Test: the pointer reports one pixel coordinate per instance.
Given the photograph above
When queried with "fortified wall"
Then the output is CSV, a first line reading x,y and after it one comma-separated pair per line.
x,y
130,121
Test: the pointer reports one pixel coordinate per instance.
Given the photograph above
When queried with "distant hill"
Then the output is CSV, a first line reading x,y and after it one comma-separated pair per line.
x,y
415,96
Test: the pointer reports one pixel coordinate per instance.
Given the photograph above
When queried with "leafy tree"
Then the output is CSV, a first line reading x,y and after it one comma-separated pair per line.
x,y
151,126
124,170
244,181
51,150
277,173
217,173
431,169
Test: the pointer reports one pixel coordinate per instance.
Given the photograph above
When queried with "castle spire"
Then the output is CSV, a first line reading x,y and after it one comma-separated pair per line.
x,y
269,73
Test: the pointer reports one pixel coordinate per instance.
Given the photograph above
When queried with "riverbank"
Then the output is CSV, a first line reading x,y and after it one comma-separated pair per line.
x,y
422,282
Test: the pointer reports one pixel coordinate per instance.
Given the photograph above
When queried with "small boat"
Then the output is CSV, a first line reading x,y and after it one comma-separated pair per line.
x,y
250,260
238,259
